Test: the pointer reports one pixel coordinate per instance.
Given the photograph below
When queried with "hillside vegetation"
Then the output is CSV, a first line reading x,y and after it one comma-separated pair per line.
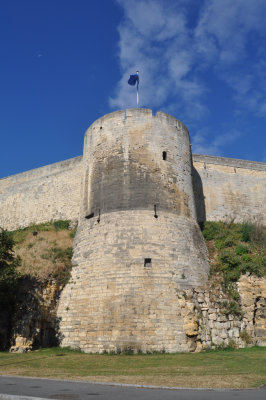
x,y
45,250
235,249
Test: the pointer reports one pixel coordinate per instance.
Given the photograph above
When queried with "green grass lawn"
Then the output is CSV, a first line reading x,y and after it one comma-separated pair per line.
x,y
244,368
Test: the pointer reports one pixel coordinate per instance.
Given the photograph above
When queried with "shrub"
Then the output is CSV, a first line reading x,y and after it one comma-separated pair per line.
x,y
246,257
240,249
8,268
213,230
246,231
60,225
73,233
245,336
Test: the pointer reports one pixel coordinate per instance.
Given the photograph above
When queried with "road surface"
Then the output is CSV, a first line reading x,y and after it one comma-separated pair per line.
x,y
74,390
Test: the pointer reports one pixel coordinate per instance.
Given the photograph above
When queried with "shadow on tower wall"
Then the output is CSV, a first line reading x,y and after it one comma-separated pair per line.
x,y
199,197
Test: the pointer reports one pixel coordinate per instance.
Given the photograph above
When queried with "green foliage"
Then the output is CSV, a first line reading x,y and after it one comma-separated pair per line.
x,y
235,249
212,230
64,256
61,225
233,257
73,233
19,235
8,268
246,337
247,230
57,253
241,249
231,346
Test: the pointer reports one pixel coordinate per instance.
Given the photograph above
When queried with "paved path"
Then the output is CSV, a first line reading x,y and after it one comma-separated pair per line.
x,y
74,390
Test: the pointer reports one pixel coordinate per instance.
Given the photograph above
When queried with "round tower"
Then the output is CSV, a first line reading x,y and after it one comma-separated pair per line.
x,y
138,243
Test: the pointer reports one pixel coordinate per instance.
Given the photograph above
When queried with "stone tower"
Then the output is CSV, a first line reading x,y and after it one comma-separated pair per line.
x,y
138,243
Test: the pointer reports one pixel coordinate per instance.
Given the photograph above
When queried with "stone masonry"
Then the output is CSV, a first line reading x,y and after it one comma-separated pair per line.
x,y
138,243
224,188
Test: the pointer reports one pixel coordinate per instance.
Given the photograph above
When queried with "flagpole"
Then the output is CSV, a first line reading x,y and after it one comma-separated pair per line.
x,y
137,90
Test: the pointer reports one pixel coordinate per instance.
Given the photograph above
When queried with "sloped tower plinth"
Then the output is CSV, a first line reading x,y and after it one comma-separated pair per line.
x,y
138,243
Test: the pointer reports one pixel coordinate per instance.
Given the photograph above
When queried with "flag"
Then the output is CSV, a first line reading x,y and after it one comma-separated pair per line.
x,y
133,79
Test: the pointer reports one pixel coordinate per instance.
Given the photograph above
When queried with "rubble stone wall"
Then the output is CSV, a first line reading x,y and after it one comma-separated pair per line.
x,y
209,322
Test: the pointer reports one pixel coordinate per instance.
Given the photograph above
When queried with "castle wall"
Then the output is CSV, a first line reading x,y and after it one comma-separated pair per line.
x,y
224,188
229,189
40,195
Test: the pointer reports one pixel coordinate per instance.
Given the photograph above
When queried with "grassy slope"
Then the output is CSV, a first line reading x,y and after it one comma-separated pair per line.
x,y
47,253
235,249
235,369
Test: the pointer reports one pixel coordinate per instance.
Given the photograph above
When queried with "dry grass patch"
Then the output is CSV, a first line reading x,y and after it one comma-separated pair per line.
x,y
45,249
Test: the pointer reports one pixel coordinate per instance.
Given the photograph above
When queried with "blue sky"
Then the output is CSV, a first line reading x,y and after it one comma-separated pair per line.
x,y
65,63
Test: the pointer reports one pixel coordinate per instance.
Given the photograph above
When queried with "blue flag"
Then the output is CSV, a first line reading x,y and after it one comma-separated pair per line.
x,y
133,79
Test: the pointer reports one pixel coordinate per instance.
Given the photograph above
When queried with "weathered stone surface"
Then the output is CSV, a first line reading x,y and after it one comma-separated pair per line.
x,y
229,189
40,195
140,243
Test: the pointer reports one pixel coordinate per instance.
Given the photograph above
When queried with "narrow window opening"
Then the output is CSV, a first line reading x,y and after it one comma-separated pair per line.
x,y
101,127
147,262
164,155
99,217
155,211
89,216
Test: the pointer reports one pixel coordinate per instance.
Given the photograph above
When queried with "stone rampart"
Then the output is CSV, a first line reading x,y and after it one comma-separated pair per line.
x,y
40,195
224,188
229,189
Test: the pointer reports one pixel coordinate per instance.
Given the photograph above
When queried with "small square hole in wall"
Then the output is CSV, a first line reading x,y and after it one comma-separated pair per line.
x,y
89,216
147,262
164,155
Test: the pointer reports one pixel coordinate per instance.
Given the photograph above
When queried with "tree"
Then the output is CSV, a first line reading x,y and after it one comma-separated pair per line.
x,y
8,268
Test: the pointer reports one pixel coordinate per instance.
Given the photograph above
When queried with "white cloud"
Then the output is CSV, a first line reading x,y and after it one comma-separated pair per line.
x,y
157,38
205,142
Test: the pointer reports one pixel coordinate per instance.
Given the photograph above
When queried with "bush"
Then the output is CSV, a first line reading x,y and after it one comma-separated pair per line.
x,y
246,337
213,230
8,268
246,231
60,225
240,249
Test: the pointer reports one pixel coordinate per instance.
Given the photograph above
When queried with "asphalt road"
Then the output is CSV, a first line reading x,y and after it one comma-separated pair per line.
x,y
73,390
